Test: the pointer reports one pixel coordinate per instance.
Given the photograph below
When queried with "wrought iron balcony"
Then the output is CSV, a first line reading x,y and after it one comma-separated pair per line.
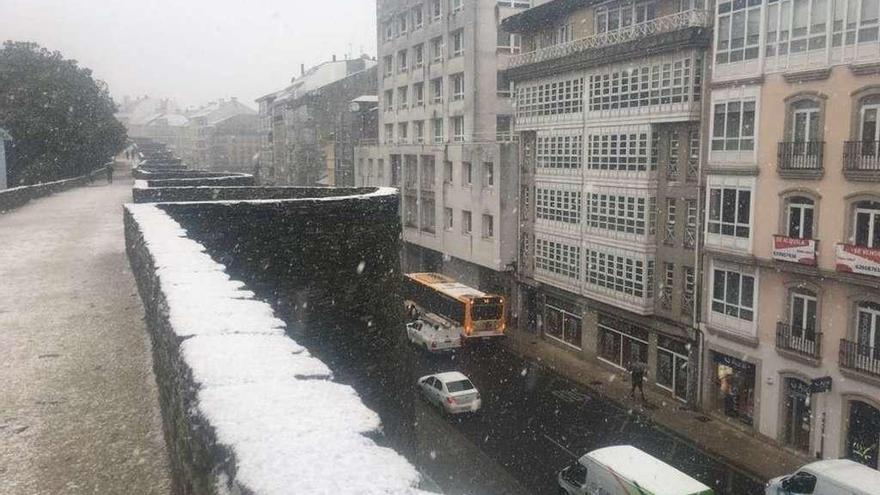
x,y
665,24
860,357
861,160
800,159
804,341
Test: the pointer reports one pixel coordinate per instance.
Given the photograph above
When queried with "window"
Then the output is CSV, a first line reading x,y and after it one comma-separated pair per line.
x,y
729,212
410,212
559,152
401,61
467,173
435,11
805,121
558,206
488,226
618,213
465,222
624,15
689,290
388,64
437,90
437,127
620,152
428,215
566,327
447,218
454,5
676,81
457,43
800,218
558,258
796,26
437,49
402,93
801,482
389,133
690,231
419,131
457,129
418,94
508,42
869,109
733,126
447,172
737,30
504,85
854,19
401,24
419,55
389,100
418,19
388,28
402,132
669,237
620,273
457,81
867,224
488,174
868,329
622,343
395,169
551,98
667,285
803,315
504,129
733,294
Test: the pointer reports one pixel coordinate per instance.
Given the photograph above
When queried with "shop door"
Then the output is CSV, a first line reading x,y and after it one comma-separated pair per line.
x,y
863,437
797,415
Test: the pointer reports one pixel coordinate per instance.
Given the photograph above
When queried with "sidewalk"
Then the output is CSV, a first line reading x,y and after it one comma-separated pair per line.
x,y
748,452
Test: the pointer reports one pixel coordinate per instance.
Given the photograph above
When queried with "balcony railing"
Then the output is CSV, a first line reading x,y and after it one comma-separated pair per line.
x,y
690,237
806,342
687,304
665,24
800,157
860,357
861,159
666,297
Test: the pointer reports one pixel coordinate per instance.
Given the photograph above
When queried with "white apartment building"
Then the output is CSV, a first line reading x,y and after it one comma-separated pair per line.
x,y
445,135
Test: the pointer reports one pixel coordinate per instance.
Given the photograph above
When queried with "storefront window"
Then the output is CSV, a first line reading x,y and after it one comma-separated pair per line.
x,y
798,414
863,434
735,381
563,325
672,366
622,343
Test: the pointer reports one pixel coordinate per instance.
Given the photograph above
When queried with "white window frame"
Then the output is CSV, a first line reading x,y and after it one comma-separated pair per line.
x,y
728,322
466,222
457,43
556,205
457,125
722,241
557,258
457,83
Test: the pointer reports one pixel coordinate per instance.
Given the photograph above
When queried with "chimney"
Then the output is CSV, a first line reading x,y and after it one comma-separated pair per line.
x,y
302,69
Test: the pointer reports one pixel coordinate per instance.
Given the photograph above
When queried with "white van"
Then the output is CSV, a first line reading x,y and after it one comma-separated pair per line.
x,y
833,477
626,470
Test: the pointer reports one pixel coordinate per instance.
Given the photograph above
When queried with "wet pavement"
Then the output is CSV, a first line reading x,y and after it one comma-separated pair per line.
x,y
533,421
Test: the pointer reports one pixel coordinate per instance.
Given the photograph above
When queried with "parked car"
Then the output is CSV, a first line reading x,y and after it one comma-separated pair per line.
x,y
431,333
626,470
832,477
451,391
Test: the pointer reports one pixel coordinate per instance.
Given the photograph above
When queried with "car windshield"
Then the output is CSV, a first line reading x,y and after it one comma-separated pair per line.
x,y
459,386
263,222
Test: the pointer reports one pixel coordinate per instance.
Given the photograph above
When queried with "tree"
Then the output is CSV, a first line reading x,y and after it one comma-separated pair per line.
x,y
61,119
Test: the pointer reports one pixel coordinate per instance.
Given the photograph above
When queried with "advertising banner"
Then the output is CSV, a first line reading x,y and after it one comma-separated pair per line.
x,y
801,251
858,259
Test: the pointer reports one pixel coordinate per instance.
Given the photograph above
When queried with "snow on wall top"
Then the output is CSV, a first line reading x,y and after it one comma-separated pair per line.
x,y
291,428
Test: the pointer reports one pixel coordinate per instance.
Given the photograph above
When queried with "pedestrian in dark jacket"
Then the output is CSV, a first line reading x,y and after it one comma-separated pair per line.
x,y
110,173
637,378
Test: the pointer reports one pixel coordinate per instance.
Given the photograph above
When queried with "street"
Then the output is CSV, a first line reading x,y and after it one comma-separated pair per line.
x,y
533,422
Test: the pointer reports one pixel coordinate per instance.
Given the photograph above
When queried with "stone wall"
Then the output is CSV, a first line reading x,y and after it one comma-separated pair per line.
x,y
15,197
208,193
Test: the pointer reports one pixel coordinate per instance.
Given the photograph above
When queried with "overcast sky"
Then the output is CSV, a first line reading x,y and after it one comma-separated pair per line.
x,y
194,50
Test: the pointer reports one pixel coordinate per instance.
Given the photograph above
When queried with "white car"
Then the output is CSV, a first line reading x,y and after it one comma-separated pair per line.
x,y
452,391
433,336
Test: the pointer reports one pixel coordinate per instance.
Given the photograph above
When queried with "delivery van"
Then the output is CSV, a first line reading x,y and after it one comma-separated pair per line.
x,y
626,470
832,477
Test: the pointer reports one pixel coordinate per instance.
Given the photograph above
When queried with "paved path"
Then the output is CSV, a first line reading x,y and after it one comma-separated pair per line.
x,y
78,402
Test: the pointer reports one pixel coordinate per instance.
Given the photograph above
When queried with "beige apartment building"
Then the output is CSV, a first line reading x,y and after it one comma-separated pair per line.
x,y
445,136
608,112
791,311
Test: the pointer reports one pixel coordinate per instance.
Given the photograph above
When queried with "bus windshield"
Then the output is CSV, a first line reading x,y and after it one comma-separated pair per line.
x,y
486,312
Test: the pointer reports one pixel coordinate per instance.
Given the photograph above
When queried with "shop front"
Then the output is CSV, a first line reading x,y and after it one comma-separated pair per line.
x,y
562,323
863,434
621,343
733,383
797,411
672,366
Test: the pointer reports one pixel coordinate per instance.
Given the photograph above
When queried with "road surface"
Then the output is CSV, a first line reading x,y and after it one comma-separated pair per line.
x,y
78,401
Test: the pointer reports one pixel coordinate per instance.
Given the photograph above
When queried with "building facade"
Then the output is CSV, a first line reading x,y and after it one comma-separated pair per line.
x,y
222,135
445,136
792,268
609,99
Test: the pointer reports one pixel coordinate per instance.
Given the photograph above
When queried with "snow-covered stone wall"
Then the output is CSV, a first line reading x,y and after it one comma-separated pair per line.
x,y
143,193
247,409
17,196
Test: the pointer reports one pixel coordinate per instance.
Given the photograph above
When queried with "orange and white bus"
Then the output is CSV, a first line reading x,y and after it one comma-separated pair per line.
x,y
476,313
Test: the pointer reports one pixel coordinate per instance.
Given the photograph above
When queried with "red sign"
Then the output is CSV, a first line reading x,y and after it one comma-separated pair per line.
x,y
858,259
801,251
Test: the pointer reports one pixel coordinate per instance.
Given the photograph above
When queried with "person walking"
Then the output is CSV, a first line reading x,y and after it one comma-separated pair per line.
x,y
637,379
109,173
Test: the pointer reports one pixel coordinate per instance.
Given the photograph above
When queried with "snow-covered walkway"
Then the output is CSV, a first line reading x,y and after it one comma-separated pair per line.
x,y
78,405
